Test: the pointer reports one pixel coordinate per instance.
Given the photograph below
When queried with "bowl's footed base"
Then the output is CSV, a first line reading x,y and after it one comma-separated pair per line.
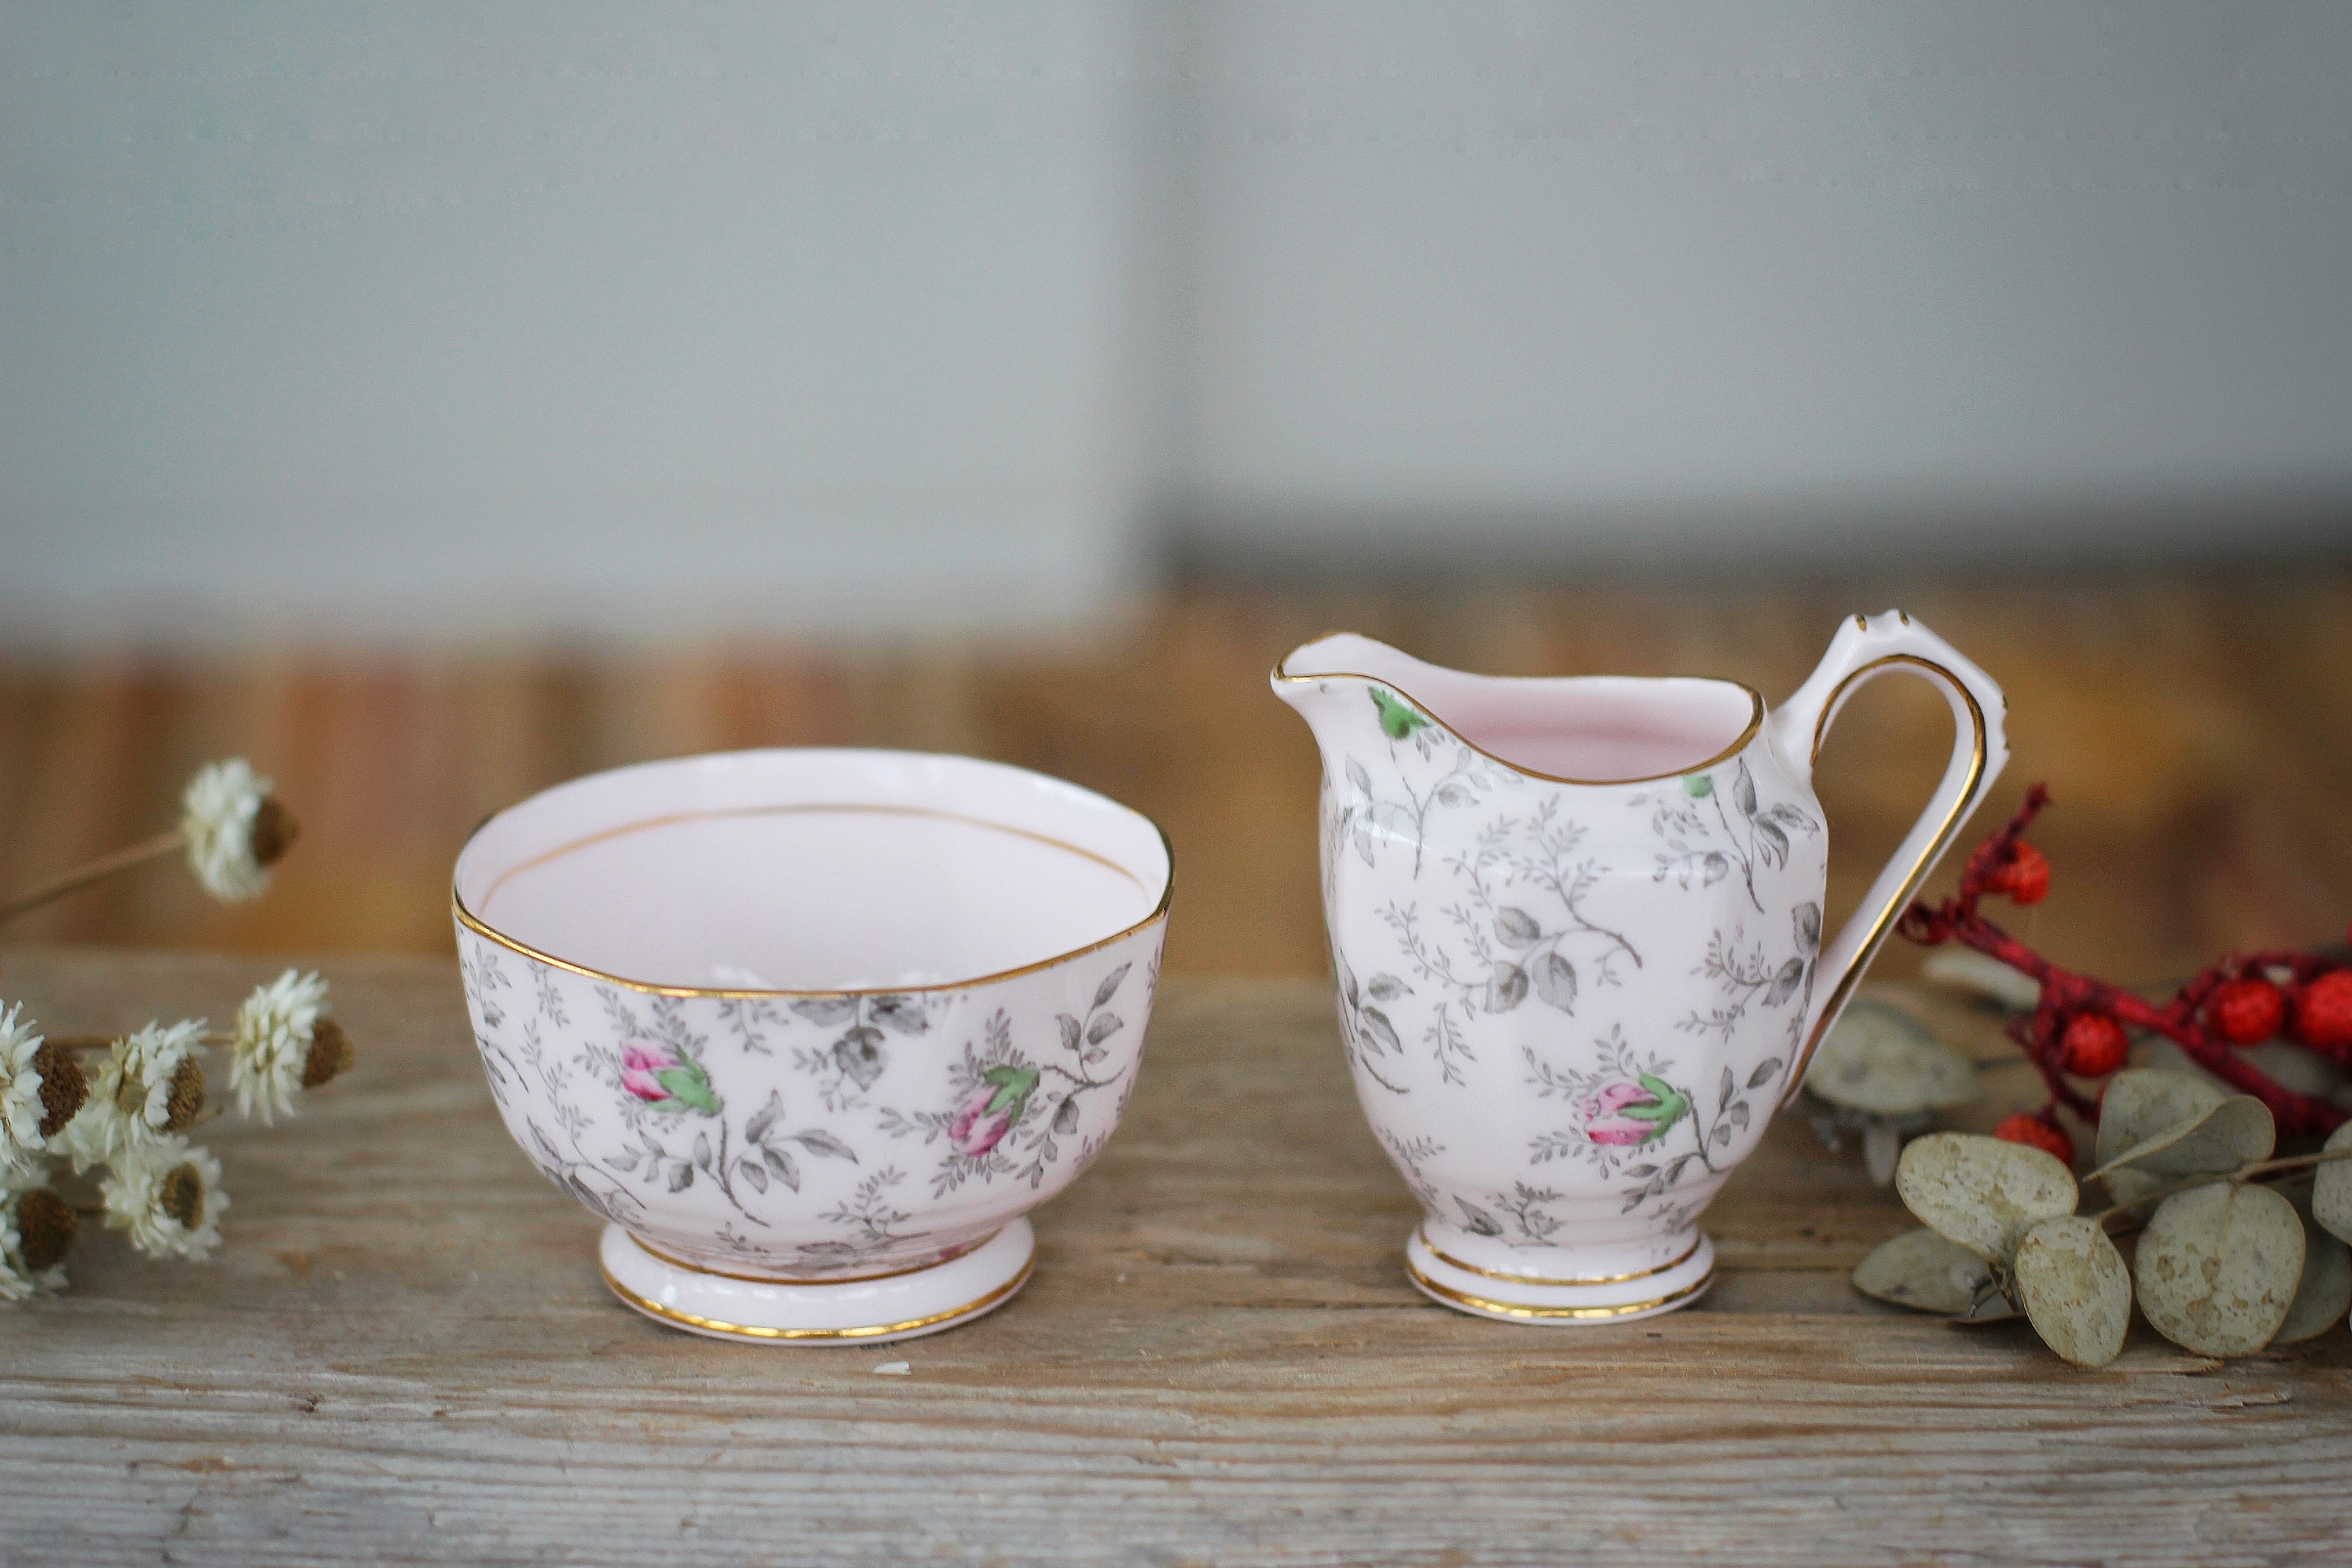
x,y
1488,1293
852,1313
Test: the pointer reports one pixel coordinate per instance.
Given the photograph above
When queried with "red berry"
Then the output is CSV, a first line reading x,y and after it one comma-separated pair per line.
x,y
2026,879
2322,1013
2246,1012
2095,1043
2035,1133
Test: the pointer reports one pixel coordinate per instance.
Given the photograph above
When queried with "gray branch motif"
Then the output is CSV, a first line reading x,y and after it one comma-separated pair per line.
x,y
1367,814
1699,856
1522,931
848,1065
1750,979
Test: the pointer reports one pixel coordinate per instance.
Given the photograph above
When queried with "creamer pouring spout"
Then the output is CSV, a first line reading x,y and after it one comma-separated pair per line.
x,y
1575,927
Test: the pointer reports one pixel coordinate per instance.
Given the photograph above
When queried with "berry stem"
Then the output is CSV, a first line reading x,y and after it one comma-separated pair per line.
x,y
2065,993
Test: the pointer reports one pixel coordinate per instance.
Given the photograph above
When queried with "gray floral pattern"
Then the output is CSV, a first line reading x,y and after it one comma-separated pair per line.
x,y
774,1129
1596,965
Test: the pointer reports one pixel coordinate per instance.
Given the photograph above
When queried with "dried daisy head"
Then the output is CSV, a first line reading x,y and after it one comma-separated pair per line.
x,y
283,1044
38,1228
235,829
41,1087
151,1085
161,1086
166,1194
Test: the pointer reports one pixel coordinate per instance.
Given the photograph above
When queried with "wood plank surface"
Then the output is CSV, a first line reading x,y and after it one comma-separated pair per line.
x,y
402,1353
2196,730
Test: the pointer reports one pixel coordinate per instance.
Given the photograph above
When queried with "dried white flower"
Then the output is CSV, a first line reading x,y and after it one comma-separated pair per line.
x,y
166,1192
270,1049
151,1085
37,1227
21,1110
235,829
101,1126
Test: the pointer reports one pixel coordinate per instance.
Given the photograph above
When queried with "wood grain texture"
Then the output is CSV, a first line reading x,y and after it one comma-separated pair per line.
x,y
402,1353
2197,732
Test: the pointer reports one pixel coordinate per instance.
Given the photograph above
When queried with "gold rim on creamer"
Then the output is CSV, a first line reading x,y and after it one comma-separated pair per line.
x,y
969,1247
1755,713
488,933
1448,1259
1961,806
1581,1314
755,1331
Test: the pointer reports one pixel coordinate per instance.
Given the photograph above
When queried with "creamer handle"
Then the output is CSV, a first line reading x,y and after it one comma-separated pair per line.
x,y
1864,649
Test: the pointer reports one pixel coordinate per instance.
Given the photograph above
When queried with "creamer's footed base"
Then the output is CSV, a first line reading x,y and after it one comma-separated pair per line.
x,y
850,1312
1497,1294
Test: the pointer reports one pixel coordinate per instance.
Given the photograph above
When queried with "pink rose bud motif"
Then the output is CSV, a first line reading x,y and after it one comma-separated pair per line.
x,y
1631,1113
657,1074
991,1110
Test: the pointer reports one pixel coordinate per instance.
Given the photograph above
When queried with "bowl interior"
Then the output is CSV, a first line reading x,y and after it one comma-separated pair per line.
x,y
813,870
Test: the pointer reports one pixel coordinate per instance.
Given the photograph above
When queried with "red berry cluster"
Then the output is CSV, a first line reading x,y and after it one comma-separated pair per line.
x,y
2037,1130
2081,1027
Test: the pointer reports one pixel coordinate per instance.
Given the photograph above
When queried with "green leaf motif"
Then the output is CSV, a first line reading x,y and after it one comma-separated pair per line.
x,y
1698,786
1399,719
1012,1089
687,1085
1669,1107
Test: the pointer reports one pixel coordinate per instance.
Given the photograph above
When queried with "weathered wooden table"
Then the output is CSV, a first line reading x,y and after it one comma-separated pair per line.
x,y
404,1353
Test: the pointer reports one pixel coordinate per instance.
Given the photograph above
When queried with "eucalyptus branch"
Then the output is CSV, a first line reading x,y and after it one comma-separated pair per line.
x,y
2256,1171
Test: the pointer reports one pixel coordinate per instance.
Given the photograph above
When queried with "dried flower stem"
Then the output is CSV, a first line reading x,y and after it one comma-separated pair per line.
x,y
97,870
2066,993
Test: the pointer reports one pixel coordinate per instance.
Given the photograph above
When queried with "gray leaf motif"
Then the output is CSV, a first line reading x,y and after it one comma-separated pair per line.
x,y
900,1015
781,1164
1383,1033
1507,989
702,1150
1111,984
1785,984
753,1172
681,1176
1065,1117
1765,1073
1743,792
1773,842
826,1009
1555,981
1724,1095
1360,778
1453,792
1478,1220
1105,1026
859,1054
1518,928
1069,1026
1806,917
818,1140
757,1128
1386,988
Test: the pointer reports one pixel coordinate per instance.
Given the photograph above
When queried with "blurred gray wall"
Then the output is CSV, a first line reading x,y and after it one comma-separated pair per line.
x,y
624,317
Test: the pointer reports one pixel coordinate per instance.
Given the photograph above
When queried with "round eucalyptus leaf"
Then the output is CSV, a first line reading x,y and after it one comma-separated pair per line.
x,y
2075,1288
2331,1187
2236,1131
2325,1293
1879,1059
2142,1102
1983,1192
1922,1270
1981,975
2219,1266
